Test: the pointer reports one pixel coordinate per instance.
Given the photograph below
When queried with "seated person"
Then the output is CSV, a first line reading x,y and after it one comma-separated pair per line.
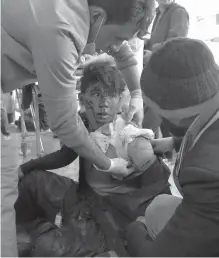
x,y
42,193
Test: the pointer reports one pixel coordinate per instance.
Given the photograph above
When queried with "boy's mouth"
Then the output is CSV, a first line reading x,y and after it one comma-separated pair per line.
x,y
103,116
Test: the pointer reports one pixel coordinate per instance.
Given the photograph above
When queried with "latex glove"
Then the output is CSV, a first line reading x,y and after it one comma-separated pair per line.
x,y
119,168
136,109
163,145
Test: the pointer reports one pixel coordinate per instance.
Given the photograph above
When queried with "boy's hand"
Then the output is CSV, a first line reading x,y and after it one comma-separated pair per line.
x,y
163,145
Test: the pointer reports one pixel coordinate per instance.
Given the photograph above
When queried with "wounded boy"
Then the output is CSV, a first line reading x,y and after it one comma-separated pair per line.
x,y
42,194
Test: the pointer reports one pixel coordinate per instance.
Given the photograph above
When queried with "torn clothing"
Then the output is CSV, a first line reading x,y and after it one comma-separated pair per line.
x,y
119,134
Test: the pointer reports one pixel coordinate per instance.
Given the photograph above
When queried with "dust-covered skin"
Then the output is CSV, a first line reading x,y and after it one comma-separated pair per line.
x,y
101,103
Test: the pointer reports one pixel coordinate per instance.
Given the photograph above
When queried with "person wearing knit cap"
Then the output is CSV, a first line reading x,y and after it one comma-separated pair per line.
x,y
181,84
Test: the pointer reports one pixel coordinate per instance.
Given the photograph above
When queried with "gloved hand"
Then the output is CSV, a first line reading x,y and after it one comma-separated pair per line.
x,y
119,168
163,145
136,110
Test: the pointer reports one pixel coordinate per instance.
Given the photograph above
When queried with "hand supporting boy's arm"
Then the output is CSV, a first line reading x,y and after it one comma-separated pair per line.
x,y
164,145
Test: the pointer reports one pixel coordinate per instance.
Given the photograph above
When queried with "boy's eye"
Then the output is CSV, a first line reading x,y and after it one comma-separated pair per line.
x,y
96,94
112,94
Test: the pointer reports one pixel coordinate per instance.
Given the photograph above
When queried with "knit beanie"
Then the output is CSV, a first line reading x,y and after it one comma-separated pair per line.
x,y
180,74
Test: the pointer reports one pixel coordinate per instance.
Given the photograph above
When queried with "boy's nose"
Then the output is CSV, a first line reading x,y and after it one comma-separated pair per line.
x,y
104,102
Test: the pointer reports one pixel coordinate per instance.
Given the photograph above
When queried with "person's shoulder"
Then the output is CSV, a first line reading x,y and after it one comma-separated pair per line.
x,y
204,154
177,8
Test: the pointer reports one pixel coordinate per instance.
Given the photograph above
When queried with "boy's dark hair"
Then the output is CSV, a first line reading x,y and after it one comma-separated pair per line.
x,y
105,73
122,11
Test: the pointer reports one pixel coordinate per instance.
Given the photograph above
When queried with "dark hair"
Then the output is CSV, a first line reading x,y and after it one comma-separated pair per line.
x,y
105,73
122,11
118,11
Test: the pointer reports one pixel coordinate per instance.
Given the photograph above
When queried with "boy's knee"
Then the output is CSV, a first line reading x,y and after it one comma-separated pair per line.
x,y
155,206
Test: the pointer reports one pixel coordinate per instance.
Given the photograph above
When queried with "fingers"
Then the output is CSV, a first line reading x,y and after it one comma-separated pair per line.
x,y
141,219
130,170
154,143
122,168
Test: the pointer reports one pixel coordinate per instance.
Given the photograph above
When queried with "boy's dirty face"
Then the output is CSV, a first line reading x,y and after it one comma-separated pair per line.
x,y
101,103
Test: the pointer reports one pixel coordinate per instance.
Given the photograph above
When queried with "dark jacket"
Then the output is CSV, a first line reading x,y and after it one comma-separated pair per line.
x,y
194,228
174,23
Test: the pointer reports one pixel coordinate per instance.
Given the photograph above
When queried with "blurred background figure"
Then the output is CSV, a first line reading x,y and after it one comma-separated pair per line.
x,y
27,99
171,21
4,118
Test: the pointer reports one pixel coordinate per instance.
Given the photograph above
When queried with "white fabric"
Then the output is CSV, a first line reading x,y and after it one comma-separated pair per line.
x,y
119,134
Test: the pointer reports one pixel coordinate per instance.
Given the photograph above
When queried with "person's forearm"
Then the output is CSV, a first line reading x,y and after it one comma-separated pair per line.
x,y
94,154
55,160
55,58
177,143
127,63
72,132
